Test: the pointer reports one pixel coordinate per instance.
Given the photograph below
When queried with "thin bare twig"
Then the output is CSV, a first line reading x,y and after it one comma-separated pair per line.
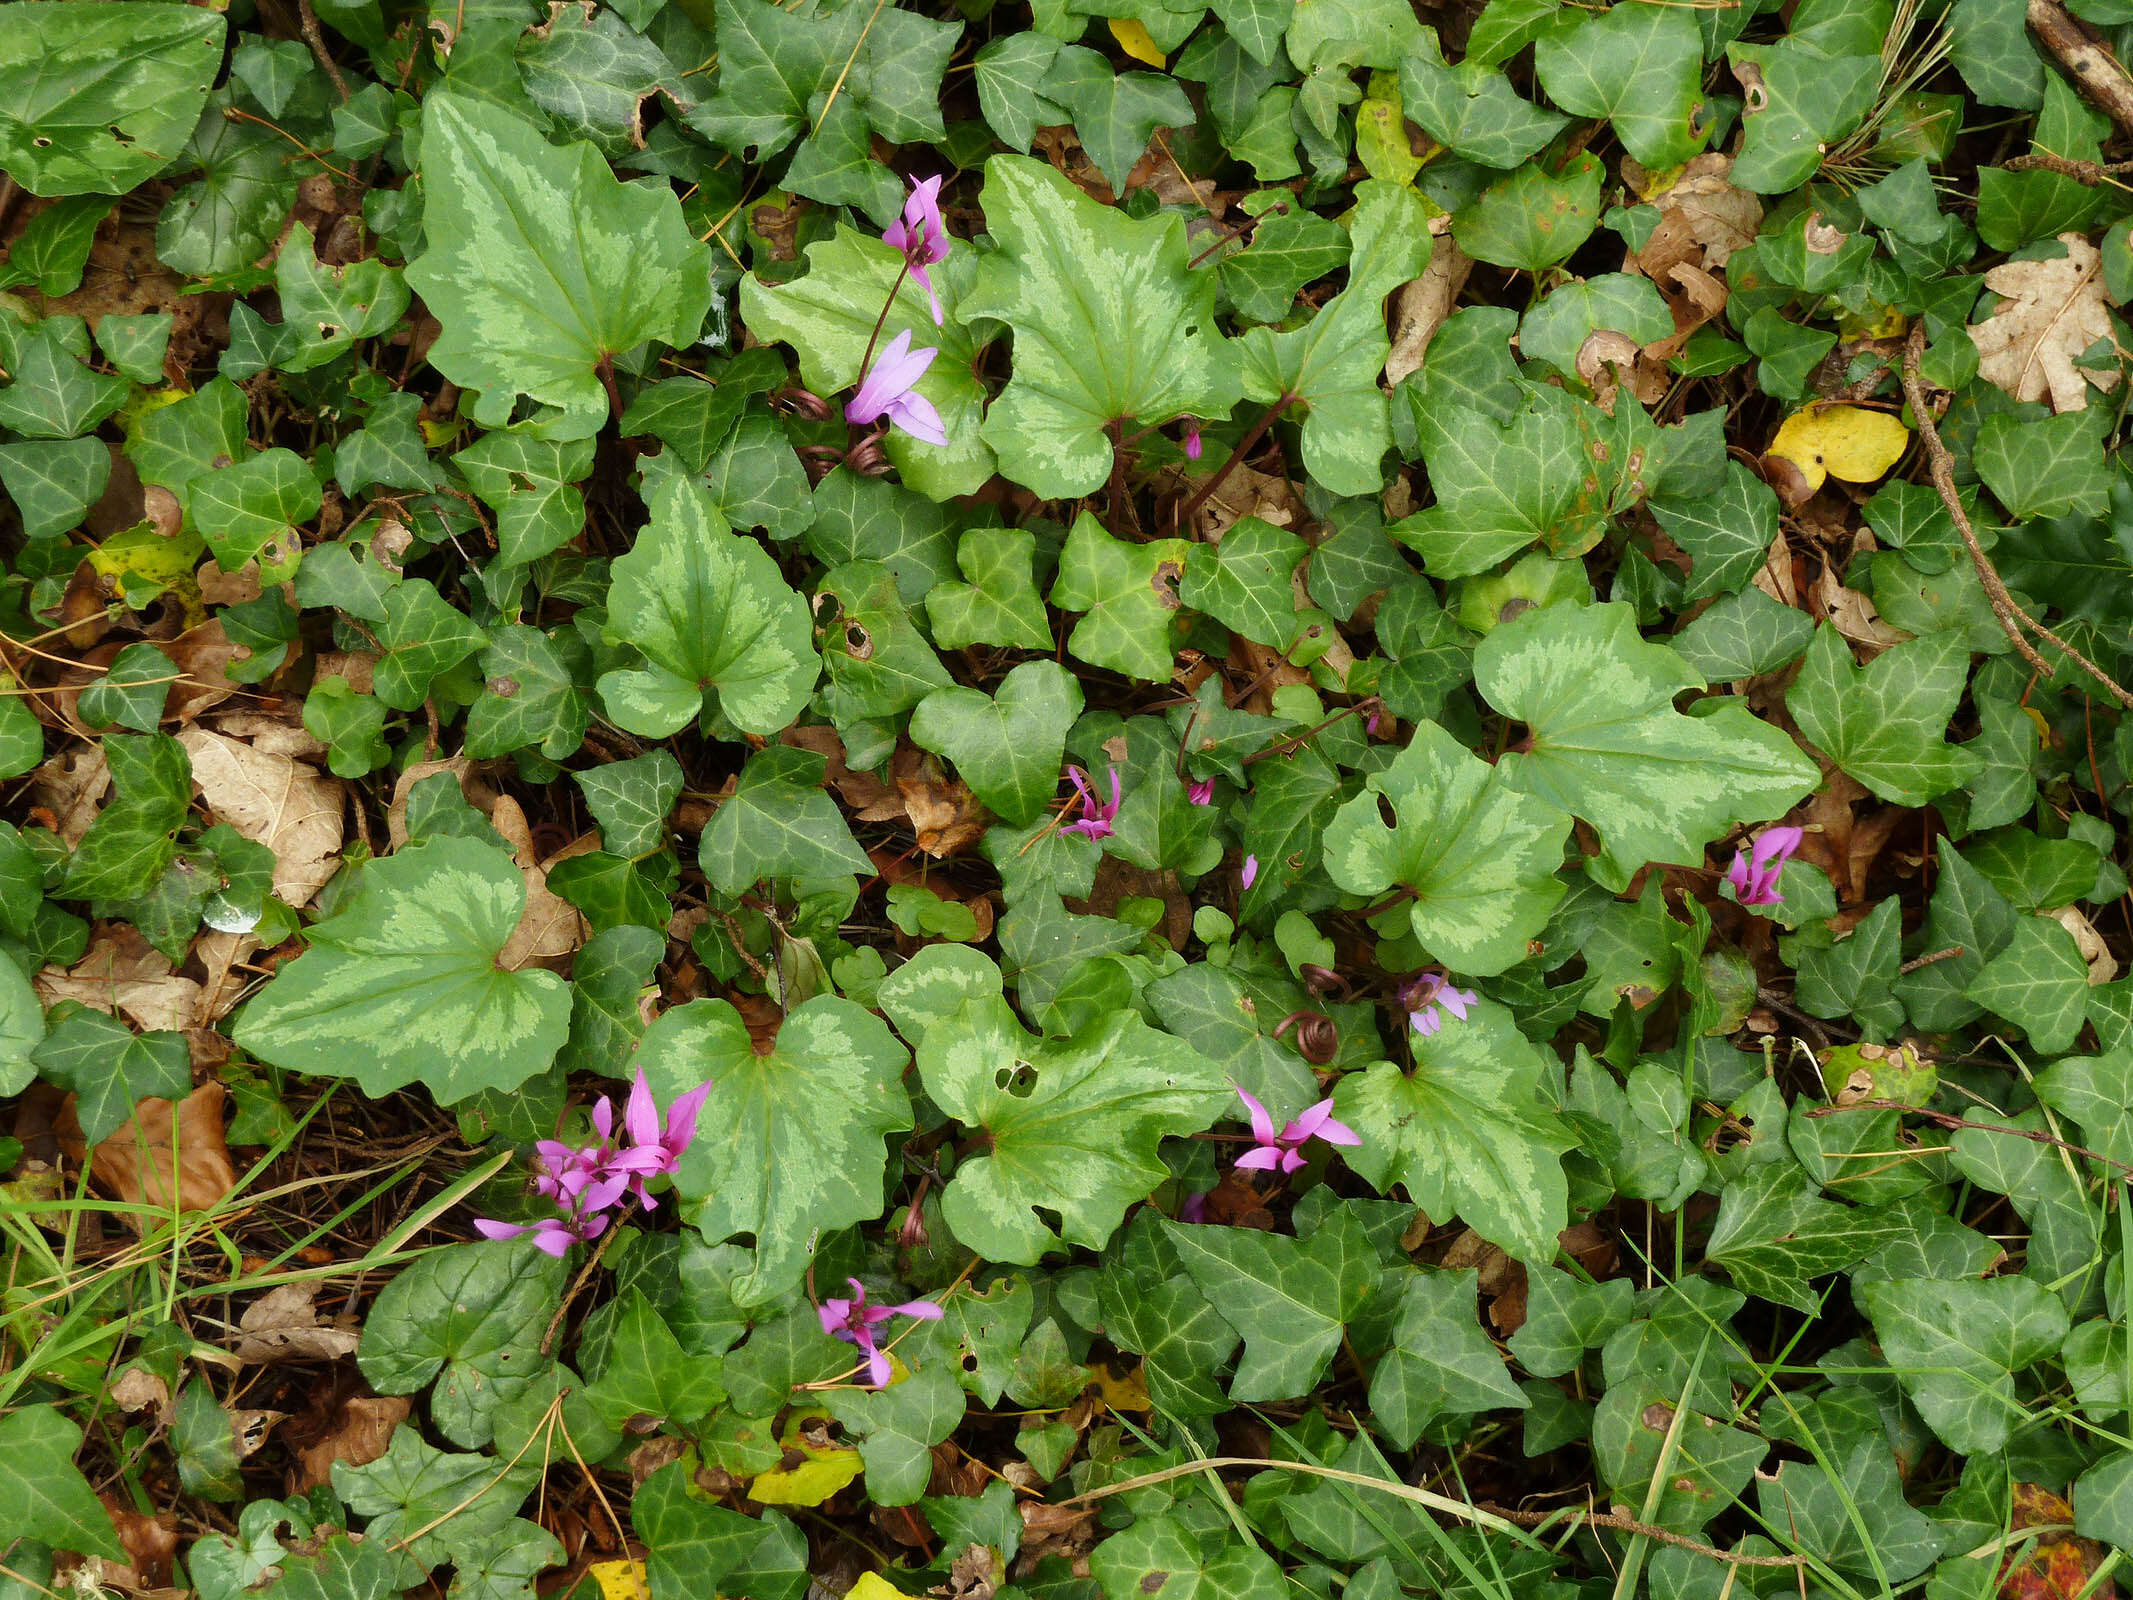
x,y
1931,958
307,25
2095,71
1942,1119
2091,173
2013,619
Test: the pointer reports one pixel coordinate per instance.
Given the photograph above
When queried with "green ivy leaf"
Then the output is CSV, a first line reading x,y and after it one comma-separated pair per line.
x,y
439,1505
872,519
1641,67
51,1501
53,482
1802,100
326,308
1245,582
1007,745
532,485
258,503
1072,1127
1472,108
1290,248
533,695
1884,723
1332,364
1465,1133
1727,535
646,1374
1289,1299
778,823
1440,1362
712,612
2039,982
135,836
590,71
110,1068
1616,302
541,265
101,101
1956,1346
1607,744
1071,277
789,1145
1128,594
997,602
1773,1233
401,985
424,635
1529,218
897,1428
1478,857
54,395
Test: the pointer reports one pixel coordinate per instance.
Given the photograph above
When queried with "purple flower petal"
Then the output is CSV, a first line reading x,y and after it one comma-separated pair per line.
x,y
914,414
1338,1133
1290,1161
1262,1159
641,1119
1262,1120
1307,1122
834,1314
924,1310
1250,872
499,1230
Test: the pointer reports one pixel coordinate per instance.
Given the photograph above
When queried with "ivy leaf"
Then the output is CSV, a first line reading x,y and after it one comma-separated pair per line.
x,y
1208,1008
590,71
99,102
1114,116
1290,1299
50,1499
437,1504
1245,582
1072,1127
789,1145
1465,1133
1290,248
1615,302
1607,744
646,1372
1956,1345
1565,1317
326,309
2050,467
1773,1233
542,265
243,509
997,602
110,1068
532,485
1071,277
424,635
53,482
1727,535
1128,594
828,317
770,63
1801,100
712,612
1479,858
532,695
1641,67
877,662
1530,218
2039,982
1884,723
135,836
402,985
53,394
1440,1361
631,801
872,519
778,823
1472,108
1009,73
898,1427
1006,745
1332,363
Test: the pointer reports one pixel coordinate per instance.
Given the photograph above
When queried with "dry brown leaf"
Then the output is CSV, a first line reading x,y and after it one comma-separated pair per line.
x,y
134,1164
549,929
150,1543
286,805
1424,305
221,954
278,736
1854,615
137,1390
70,785
283,1325
2103,967
1702,218
478,792
359,1434
2052,311
944,814
203,655
123,974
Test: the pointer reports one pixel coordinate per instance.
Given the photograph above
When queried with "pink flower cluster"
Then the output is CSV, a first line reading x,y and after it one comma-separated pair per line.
x,y
586,1183
854,1321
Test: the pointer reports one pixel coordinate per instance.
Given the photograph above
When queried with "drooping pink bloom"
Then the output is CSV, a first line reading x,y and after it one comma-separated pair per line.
x,y
1192,439
1194,1209
1096,817
1280,1149
918,236
553,1234
656,1144
1754,873
1200,791
888,391
1250,873
854,1321
1428,996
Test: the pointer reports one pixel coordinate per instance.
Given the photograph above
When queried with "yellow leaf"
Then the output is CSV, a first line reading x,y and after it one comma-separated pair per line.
x,y
142,564
1847,442
873,1586
1129,1393
1134,40
811,1482
1381,142
621,1580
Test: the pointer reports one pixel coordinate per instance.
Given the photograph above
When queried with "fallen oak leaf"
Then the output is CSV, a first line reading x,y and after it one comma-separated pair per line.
x,y
2051,312
283,1325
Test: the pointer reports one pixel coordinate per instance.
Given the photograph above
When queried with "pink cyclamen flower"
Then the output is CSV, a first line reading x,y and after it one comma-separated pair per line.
x,y
888,391
854,1321
1280,1149
1754,873
1200,791
553,1234
1192,439
1428,996
656,1144
1096,817
1194,1209
1250,873
919,238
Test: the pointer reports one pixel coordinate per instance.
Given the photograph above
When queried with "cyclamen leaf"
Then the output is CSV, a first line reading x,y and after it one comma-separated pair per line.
x,y
1465,1133
101,100
1479,858
789,1145
402,985
1072,277
1332,364
1072,1126
715,615
1608,746
541,265
828,317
